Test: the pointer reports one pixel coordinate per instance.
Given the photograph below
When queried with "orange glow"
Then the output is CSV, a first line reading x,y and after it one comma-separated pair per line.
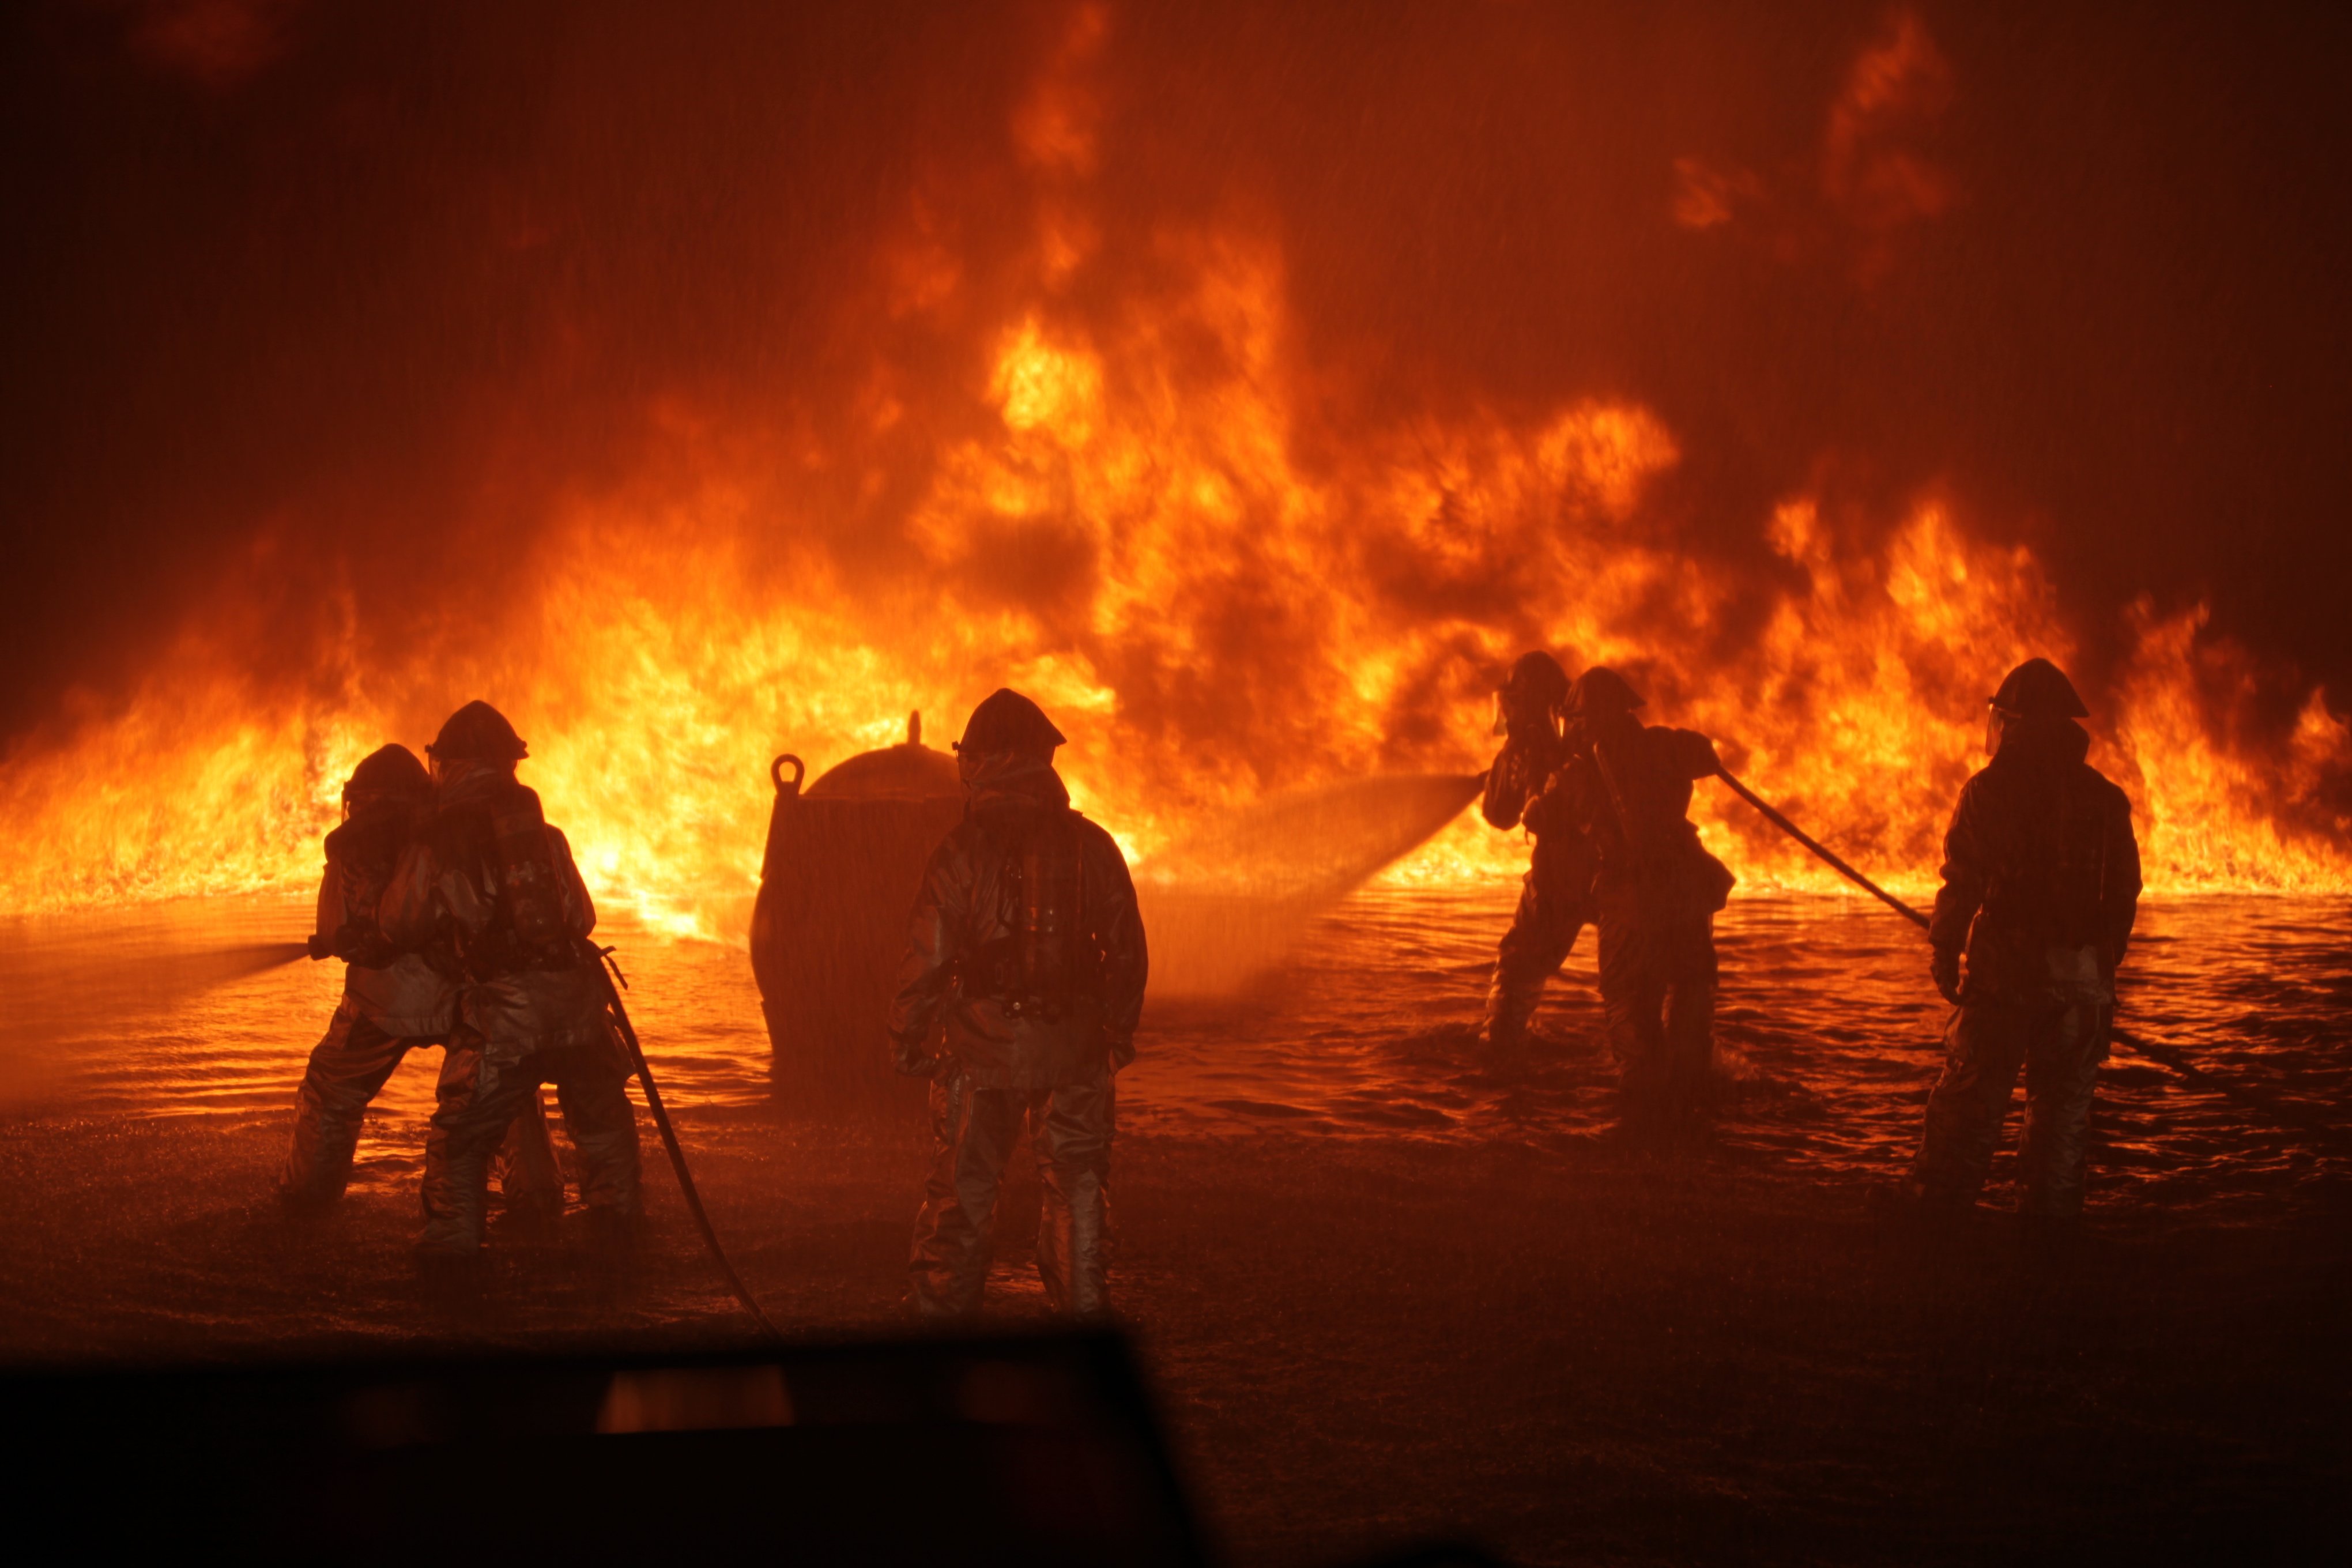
x,y
1141,542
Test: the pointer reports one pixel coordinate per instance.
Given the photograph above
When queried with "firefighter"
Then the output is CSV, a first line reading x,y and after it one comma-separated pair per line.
x,y
1025,943
1556,899
490,886
392,1002
1655,889
2041,888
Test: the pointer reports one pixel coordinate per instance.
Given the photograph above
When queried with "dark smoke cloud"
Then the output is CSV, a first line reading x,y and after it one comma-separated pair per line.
x,y
336,301
217,44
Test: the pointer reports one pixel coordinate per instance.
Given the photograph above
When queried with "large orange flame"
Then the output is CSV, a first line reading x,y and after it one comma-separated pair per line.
x,y
1216,594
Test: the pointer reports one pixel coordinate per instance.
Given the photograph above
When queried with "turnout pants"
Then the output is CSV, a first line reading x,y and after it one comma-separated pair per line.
x,y
1542,933
1070,1129
347,1068
2060,1046
1657,991
481,1092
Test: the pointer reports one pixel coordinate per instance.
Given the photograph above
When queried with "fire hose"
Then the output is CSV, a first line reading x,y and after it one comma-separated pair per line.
x,y
608,971
2164,1055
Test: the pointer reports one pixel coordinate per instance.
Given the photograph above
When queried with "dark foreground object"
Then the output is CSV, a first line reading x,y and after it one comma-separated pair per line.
x,y
1697,1355
1040,1450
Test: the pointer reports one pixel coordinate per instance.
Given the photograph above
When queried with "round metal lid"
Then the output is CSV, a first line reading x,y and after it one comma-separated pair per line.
x,y
909,772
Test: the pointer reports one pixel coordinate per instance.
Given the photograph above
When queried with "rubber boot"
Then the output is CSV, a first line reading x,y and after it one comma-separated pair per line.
x,y
1510,1005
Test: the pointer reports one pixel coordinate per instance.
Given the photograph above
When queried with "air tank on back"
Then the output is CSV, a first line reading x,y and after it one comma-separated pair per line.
x,y
844,859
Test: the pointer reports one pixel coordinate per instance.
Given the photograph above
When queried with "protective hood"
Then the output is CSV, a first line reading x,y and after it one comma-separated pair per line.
x,y
2040,688
468,782
2040,743
477,733
1532,695
995,776
1600,693
1008,722
389,771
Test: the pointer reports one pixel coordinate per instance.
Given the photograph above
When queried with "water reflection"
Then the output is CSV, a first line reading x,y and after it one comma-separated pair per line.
x,y
1830,1033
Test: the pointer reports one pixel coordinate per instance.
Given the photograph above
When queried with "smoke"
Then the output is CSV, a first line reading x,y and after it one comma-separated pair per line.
x,y
378,356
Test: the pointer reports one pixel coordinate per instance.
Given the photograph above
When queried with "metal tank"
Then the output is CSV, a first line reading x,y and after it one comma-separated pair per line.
x,y
844,859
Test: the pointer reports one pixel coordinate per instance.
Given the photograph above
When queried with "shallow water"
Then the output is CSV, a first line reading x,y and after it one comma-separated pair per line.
x,y
1829,1036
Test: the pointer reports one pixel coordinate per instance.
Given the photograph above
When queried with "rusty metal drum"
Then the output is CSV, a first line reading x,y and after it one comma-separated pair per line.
x,y
844,859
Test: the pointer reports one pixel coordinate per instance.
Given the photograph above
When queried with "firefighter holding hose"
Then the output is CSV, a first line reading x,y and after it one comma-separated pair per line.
x,y
393,1002
1026,941
2042,883
489,887
1608,799
1655,889
1556,899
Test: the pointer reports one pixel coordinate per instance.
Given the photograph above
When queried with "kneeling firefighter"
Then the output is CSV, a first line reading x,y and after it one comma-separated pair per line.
x,y
2041,888
392,1002
1025,935
489,886
1556,899
1655,888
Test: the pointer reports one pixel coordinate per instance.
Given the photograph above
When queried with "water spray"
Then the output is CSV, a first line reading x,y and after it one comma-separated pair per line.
x,y
175,972
2164,1055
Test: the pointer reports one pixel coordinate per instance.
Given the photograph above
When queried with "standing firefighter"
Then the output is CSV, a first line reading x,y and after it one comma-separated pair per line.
x,y
1026,936
1556,899
490,886
391,1003
1656,891
2041,888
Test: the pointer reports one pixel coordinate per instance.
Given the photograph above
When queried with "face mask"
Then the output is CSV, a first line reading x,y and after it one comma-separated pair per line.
x,y
1995,722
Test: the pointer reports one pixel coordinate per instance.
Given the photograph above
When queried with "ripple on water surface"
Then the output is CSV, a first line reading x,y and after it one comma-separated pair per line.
x,y
1829,1033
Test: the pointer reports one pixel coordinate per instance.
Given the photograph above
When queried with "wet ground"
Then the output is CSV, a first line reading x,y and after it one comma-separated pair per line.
x,y
1389,1287
1829,1036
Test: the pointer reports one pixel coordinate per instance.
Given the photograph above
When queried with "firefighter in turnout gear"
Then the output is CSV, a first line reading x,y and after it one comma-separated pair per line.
x,y
1655,889
489,889
1556,899
391,1003
1018,997
2041,882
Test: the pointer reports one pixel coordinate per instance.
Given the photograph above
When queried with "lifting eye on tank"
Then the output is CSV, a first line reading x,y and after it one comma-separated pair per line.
x,y
844,859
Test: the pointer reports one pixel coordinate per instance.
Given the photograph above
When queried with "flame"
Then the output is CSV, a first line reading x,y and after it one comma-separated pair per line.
x,y
2217,815
1159,529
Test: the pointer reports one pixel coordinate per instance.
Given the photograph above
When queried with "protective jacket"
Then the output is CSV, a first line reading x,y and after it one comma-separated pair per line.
x,y
489,890
1526,784
402,995
1025,934
1630,793
2042,873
